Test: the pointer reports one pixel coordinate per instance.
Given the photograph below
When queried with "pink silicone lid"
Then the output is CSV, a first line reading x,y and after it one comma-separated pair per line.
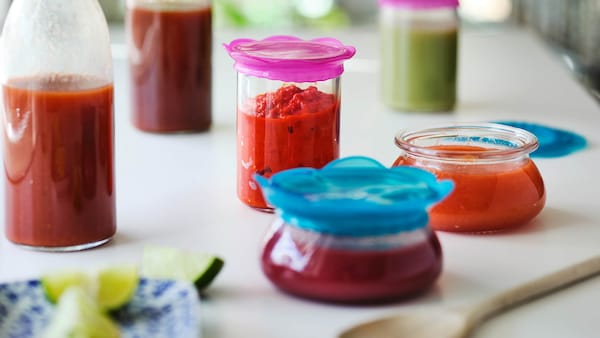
x,y
290,59
420,4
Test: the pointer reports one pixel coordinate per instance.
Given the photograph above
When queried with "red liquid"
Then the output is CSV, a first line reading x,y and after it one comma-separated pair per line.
x,y
354,276
486,197
285,129
58,158
170,63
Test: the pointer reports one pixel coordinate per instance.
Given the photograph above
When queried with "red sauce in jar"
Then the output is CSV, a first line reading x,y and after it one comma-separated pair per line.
x,y
58,158
346,275
170,61
285,129
485,197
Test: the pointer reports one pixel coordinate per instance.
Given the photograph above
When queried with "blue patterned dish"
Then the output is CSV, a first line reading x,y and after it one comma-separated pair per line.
x,y
160,308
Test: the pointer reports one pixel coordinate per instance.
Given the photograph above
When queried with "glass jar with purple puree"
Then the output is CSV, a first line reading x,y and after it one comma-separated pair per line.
x,y
288,107
352,232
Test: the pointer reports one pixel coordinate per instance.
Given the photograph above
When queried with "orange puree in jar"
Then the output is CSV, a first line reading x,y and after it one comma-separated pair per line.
x,y
488,195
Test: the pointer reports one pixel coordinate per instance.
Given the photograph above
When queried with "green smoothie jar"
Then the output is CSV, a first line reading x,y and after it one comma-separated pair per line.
x,y
419,41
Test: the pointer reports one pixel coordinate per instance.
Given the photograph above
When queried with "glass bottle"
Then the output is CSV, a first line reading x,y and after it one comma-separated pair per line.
x,y
498,186
170,59
288,107
57,82
352,232
419,41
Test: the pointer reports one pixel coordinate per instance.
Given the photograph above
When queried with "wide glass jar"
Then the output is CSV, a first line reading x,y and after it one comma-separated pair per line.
x,y
353,232
56,73
288,107
170,61
419,40
498,186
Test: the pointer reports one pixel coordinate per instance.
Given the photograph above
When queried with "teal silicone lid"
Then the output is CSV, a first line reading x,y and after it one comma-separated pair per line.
x,y
354,196
553,142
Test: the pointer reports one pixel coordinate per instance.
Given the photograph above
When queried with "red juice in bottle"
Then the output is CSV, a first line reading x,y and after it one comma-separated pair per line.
x,y
58,150
170,63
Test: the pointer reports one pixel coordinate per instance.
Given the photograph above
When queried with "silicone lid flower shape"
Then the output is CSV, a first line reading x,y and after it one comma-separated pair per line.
x,y
290,59
354,196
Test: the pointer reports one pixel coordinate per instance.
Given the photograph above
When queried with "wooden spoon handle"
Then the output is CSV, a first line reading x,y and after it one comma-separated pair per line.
x,y
533,289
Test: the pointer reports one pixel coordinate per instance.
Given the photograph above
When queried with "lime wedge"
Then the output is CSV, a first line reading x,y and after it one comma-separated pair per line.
x,y
116,286
110,288
170,263
54,284
77,315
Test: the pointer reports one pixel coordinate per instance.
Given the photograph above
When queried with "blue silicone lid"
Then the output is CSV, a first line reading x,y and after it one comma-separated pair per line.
x,y
553,142
354,196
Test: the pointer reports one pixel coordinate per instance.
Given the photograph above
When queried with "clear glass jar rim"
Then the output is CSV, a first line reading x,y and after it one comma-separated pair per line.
x,y
524,141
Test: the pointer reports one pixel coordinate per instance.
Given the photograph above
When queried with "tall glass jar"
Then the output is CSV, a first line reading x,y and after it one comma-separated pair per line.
x,y
288,107
170,58
419,41
354,231
498,186
56,73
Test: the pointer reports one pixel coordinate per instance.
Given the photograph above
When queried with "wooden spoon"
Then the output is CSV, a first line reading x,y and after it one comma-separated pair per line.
x,y
459,322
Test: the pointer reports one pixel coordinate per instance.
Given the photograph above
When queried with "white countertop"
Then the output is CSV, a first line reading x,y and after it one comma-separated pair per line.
x,y
179,190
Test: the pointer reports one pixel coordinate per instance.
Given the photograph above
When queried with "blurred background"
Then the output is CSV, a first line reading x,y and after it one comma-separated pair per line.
x,y
570,27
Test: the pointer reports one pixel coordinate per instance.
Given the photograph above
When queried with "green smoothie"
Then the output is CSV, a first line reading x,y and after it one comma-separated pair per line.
x,y
419,68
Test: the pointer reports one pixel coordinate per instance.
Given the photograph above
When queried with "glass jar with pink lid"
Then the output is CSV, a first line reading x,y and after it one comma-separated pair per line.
x,y
288,106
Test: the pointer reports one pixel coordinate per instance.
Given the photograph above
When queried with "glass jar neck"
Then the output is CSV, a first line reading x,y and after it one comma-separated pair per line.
x,y
64,37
